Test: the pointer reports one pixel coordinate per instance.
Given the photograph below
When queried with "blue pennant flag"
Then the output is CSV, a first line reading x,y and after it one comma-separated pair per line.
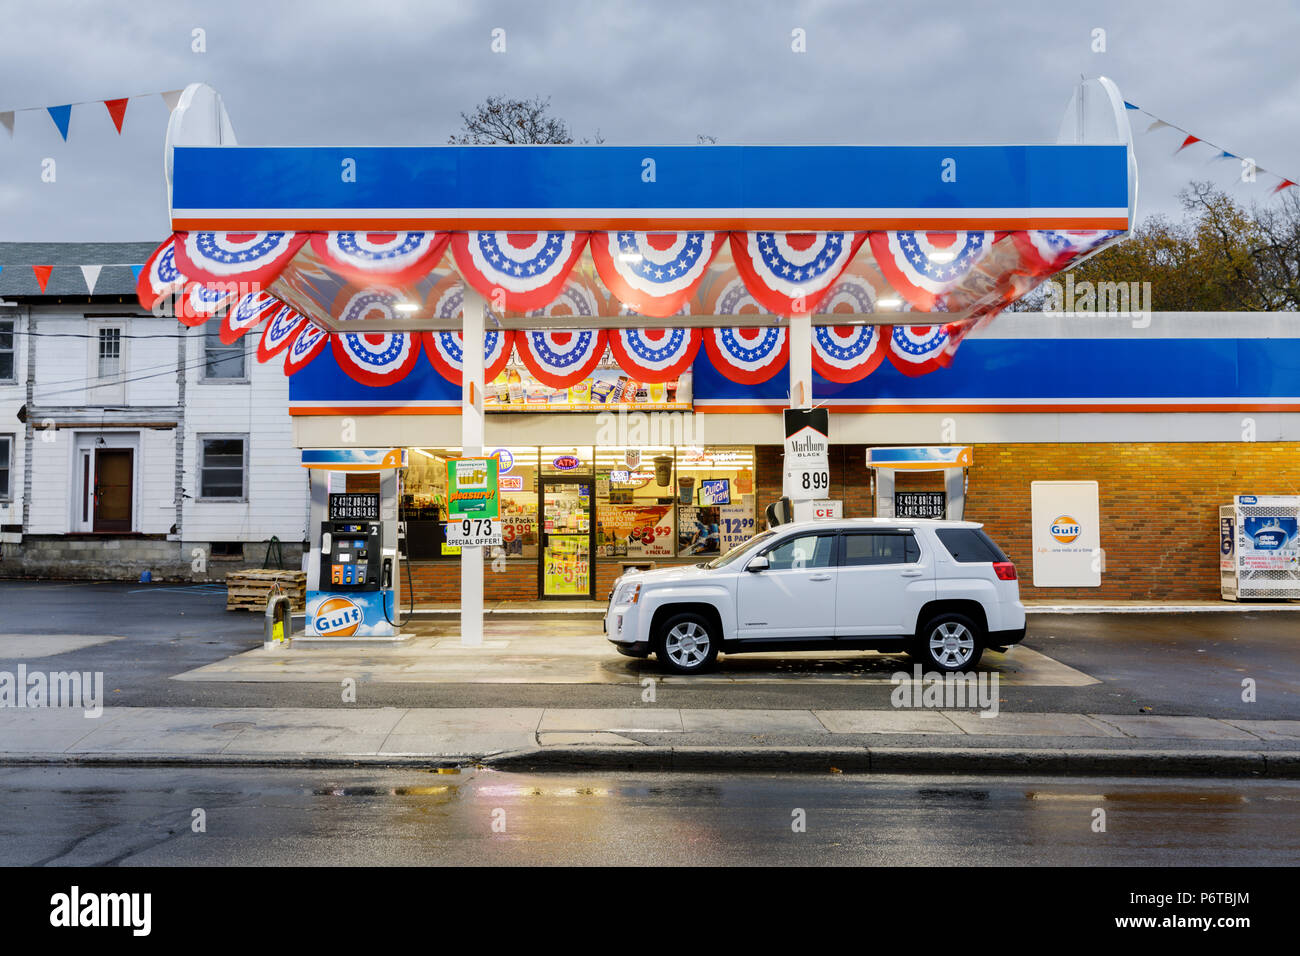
x,y
61,115
1129,106
137,270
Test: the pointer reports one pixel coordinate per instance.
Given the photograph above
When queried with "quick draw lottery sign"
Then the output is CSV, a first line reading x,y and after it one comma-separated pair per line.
x,y
473,502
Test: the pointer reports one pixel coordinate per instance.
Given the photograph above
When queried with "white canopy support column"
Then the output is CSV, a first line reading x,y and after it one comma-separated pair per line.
x,y
471,440
800,334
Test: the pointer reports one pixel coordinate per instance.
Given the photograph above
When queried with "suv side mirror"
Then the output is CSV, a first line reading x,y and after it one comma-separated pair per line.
x,y
759,563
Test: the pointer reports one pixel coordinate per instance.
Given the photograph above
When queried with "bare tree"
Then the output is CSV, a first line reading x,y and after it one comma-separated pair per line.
x,y
499,119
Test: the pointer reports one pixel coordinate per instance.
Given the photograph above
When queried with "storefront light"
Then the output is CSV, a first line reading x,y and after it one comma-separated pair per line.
x,y
889,303
407,307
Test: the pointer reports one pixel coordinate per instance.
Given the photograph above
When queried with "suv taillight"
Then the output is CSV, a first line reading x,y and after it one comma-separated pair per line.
x,y
1005,570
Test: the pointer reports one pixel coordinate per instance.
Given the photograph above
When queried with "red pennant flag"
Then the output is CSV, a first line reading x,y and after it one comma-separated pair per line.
x,y
1282,185
42,276
1187,142
117,110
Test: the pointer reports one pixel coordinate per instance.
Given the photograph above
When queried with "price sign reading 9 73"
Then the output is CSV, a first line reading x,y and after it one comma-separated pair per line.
x,y
474,532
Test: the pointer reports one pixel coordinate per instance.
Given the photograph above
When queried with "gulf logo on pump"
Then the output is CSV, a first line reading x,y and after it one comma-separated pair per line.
x,y
337,617
1065,529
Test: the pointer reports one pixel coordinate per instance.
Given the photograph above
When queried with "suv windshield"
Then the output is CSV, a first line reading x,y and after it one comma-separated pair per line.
x,y
739,550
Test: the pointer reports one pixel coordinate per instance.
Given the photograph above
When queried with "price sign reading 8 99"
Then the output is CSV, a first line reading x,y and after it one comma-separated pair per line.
x,y
474,532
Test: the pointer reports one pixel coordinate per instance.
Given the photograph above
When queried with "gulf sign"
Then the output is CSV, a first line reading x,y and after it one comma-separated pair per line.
x,y
1065,529
337,617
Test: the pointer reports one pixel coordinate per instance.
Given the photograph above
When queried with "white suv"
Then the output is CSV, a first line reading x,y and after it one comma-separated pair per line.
x,y
940,590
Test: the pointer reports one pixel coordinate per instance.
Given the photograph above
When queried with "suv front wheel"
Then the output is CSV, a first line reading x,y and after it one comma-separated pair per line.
x,y
949,643
687,644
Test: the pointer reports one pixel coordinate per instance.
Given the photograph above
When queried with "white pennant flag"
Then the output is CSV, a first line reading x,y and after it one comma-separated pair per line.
x,y
7,121
91,275
171,98
1157,125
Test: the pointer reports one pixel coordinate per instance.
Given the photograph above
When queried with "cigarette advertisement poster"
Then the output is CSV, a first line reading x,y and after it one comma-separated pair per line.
x,y
645,530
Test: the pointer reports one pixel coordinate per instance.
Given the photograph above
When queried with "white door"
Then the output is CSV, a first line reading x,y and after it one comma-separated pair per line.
x,y
794,596
884,579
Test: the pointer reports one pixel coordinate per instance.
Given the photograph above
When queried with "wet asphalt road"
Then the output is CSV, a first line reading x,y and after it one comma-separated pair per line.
x,y
1176,664
140,816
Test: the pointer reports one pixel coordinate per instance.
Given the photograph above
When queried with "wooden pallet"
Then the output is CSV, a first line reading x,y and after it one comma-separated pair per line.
x,y
250,590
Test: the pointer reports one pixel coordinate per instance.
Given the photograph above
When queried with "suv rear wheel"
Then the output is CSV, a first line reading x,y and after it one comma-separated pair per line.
x,y
948,643
687,644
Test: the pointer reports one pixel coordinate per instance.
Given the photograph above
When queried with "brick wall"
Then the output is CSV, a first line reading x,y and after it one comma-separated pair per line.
x,y
1159,512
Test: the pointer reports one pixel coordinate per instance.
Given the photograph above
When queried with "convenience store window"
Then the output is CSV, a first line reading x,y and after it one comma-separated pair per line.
x,y
715,499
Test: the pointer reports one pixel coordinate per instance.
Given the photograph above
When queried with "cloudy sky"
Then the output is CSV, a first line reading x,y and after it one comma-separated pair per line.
x,y
399,72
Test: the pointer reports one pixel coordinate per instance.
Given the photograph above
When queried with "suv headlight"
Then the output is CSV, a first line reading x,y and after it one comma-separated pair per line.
x,y
628,593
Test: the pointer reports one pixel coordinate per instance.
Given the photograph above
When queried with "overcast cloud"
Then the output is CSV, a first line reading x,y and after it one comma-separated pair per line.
x,y
388,72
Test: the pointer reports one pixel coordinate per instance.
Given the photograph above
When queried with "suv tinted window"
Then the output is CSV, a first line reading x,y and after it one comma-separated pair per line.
x,y
880,548
805,551
969,545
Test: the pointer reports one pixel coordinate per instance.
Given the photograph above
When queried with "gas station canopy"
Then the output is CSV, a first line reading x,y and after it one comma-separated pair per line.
x,y
369,250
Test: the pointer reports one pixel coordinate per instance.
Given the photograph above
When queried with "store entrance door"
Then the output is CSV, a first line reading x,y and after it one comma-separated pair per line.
x,y
568,538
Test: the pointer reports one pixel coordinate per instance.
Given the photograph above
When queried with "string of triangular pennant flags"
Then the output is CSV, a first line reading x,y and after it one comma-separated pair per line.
x,y
1190,139
62,114
89,273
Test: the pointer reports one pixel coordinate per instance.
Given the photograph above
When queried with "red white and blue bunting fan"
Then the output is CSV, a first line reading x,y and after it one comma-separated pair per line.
x,y
367,258
279,332
159,277
848,353
373,358
922,266
250,257
446,352
1045,251
307,344
748,355
200,302
654,273
517,271
245,314
790,272
655,355
561,358
916,350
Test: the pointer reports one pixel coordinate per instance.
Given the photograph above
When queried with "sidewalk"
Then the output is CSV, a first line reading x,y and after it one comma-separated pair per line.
x,y
657,738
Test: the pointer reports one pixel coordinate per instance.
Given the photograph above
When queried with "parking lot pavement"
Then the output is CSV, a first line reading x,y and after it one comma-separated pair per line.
x,y
177,646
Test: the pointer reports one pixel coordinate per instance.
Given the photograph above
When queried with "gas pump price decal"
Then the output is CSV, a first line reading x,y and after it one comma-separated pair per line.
x,y
474,532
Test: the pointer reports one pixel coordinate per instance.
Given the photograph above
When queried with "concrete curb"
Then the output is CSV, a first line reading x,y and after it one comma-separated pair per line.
x,y
926,760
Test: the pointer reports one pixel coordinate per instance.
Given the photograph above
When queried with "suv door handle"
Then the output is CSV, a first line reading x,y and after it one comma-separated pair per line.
x,y
910,574
820,577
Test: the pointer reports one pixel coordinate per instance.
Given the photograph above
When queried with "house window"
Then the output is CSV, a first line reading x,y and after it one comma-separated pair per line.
x,y
222,361
223,467
6,465
6,350
110,354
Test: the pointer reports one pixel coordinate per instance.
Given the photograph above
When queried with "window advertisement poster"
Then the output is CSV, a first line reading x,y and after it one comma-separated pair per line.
x,y
700,531
715,491
473,502
637,531
1066,519
736,524
1269,544
807,454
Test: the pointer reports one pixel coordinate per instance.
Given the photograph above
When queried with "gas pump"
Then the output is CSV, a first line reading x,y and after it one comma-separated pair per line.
x,y
353,580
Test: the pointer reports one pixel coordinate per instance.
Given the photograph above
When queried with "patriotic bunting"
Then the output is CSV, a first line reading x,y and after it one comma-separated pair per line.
x,y
848,353
561,359
245,314
61,115
749,355
373,358
655,355
396,258
922,266
307,344
1045,251
654,273
789,273
199,302
159,277
279,332
916,350
249,257
517,271
446,352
